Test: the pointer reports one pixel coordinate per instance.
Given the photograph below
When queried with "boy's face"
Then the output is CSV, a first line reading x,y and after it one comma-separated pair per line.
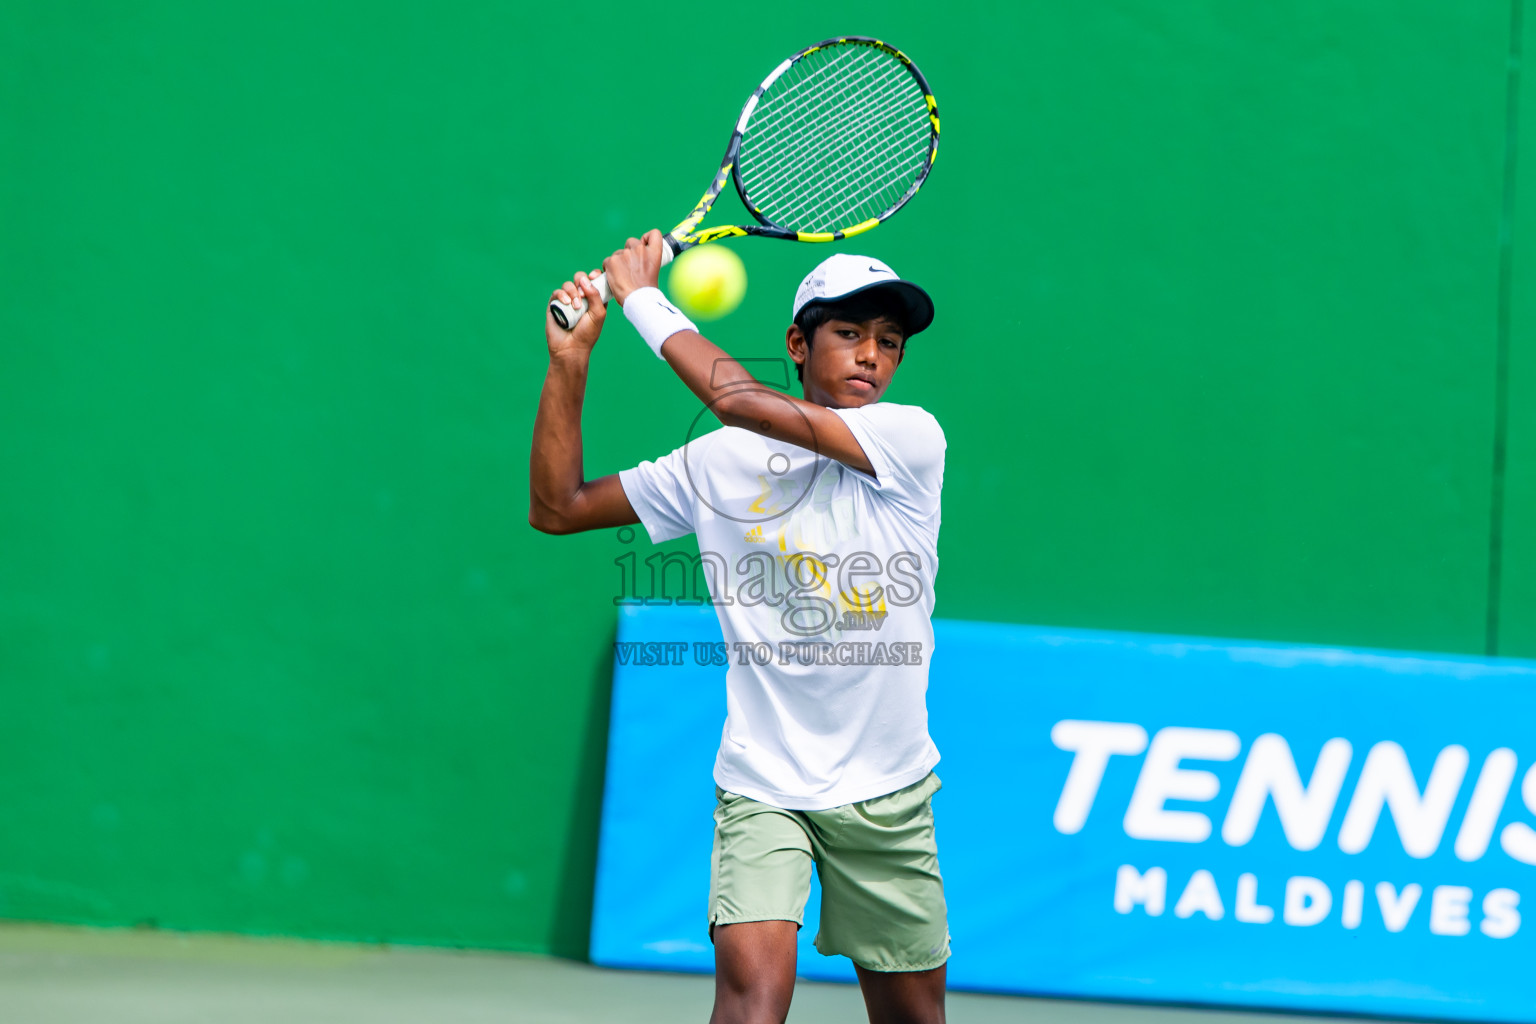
x,y
848,364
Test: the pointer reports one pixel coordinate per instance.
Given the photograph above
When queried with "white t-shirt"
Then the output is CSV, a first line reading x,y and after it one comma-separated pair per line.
x,y
823,580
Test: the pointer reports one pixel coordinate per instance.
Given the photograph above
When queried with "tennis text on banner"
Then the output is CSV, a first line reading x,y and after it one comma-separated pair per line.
x,y
1305,809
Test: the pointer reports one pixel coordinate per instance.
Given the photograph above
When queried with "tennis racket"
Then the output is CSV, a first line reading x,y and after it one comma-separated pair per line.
x,y
836,139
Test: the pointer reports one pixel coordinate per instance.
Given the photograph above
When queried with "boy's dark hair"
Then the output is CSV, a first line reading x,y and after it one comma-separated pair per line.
x,y
854,309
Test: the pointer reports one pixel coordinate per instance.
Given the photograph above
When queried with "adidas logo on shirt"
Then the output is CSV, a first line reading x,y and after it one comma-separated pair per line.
x,y
755,536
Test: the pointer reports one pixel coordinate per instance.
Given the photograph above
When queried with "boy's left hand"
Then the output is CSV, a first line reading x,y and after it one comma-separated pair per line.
x,y
579,339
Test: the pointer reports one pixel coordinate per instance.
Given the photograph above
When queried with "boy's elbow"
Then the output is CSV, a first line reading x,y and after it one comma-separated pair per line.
x,y
546,521
738,409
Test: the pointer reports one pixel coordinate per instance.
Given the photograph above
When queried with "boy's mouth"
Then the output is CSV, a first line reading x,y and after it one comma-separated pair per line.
x,y
861,382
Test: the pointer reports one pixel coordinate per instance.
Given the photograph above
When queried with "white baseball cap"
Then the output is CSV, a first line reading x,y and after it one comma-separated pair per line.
x,y
843,274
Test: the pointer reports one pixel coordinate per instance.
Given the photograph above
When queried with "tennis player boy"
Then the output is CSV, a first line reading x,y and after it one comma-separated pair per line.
x,y
818,520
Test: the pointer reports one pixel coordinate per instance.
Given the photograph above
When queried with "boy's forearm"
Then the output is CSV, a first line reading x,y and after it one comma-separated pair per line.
x,y
709,371
738,400
555,470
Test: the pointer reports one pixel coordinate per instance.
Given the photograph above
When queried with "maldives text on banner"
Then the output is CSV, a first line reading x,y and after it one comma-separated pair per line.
x,y
1144,817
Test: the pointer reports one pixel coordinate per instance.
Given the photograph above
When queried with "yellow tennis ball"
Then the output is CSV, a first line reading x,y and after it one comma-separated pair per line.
x,y
708,281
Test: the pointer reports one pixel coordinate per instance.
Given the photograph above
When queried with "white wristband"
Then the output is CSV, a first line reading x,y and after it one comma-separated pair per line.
x,y
654,317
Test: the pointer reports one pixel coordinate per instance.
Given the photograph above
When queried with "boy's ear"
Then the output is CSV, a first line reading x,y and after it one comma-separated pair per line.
x,y
799,347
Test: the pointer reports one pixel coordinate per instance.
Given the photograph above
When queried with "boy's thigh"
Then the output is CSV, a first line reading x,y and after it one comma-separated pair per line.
x,y
760,866
882,902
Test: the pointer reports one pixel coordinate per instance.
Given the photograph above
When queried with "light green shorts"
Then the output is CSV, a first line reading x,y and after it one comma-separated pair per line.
x,y
882,900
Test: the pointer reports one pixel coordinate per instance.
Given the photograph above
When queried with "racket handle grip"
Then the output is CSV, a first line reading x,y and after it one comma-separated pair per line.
x,y
567,315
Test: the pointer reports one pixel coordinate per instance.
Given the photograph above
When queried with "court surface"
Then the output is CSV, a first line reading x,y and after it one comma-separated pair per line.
x,y
58,975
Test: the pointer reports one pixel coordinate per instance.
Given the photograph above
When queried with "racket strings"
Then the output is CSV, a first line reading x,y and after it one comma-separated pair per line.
x,y
837,174
796,91
873,194
846,143
840,138
830,134
836,197
826,119
852,187
825,114
855,183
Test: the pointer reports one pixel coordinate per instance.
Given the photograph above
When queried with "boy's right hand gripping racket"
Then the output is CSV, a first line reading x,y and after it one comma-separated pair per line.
x,y
833,142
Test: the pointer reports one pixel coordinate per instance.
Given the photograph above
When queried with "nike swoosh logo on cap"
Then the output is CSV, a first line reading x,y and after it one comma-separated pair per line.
x,y
878,270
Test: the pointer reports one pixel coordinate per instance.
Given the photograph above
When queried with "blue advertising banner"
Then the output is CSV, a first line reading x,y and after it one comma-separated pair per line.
x,y
1146,817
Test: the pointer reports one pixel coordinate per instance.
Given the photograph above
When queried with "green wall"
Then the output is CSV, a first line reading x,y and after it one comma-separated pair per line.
x,y
1516,544
1218,352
